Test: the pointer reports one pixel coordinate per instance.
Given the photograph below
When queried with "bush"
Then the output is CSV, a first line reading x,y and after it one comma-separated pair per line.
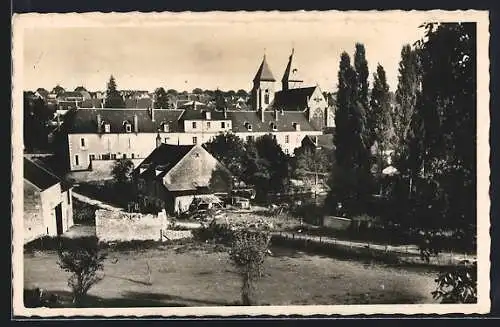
x,y
83,213
84,260
218,233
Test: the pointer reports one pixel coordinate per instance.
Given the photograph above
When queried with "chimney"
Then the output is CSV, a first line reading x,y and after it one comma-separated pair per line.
x,y
136,124
276,114
208,115
262,114
99,123
224,111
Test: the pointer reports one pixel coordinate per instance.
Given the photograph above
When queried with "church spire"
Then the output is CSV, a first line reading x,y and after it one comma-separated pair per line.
x,y
264,72
290,74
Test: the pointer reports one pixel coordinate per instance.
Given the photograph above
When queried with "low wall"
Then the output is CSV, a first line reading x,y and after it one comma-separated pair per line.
x,y
337,223
116,226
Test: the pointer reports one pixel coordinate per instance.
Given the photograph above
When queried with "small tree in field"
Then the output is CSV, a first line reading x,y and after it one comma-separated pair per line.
x,y
83,260
248,252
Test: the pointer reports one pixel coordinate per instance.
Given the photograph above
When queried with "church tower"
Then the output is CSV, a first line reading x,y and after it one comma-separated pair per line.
x,y
263,87
291,79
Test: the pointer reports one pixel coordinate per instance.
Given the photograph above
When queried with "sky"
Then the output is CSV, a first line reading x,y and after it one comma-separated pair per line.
x,y
185,52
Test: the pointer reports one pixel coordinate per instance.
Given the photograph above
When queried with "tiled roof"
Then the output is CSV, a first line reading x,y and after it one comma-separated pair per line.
x,y
41,176
199,114
85,120
91,103
164,158
264,73
293,99
285,122
138,103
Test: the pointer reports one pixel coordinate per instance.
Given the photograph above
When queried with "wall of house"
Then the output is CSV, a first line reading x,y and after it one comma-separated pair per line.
x,y
207,126
142,144
139,145
294,138
67,209
33,221
50,198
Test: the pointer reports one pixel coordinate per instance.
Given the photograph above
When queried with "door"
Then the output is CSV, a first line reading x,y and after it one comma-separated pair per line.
x,y
59,223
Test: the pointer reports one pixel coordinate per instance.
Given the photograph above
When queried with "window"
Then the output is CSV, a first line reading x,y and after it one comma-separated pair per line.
x,y
166,140
105,156
222,125
194,125
82,142
113,156
266,97
274,137
208,124
286,151
124,156
107,128
166,127
133,156
228,125
77,160
195,140
128,128
249,138
91,157
287,139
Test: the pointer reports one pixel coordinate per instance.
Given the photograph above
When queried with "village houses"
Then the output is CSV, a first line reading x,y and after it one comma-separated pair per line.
x,y
289,115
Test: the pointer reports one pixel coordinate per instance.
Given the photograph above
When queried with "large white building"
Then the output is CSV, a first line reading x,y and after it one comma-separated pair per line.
x,y
109,133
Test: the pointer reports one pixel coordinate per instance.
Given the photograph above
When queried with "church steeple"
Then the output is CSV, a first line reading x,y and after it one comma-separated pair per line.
x,y
264,73
263,88
290,77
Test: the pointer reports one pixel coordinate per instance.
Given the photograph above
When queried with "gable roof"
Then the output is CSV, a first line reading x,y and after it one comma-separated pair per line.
x,y
41,176
92,103
285,122
85,120
165,157
138,103
70,94
293,99
264,72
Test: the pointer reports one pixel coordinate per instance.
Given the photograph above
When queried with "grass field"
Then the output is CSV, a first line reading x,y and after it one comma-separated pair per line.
x,y
200,275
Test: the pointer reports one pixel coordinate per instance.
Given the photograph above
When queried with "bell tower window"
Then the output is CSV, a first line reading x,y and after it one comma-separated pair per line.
x,y
266,96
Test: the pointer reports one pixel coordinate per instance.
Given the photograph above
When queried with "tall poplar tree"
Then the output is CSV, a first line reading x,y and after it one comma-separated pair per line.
x,y
113,97
381,110
409,80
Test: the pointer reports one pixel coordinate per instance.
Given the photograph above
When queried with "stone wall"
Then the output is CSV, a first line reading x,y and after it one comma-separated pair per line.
x,y
116,226
337,223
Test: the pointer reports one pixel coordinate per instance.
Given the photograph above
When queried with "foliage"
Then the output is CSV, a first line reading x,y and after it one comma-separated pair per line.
x,y
220,101
197,91
309,160
229,149
161,99
113,98
122,171
241,93
36,119
458,285
58,90
221,180
80,89
248,251
268,165
83,260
